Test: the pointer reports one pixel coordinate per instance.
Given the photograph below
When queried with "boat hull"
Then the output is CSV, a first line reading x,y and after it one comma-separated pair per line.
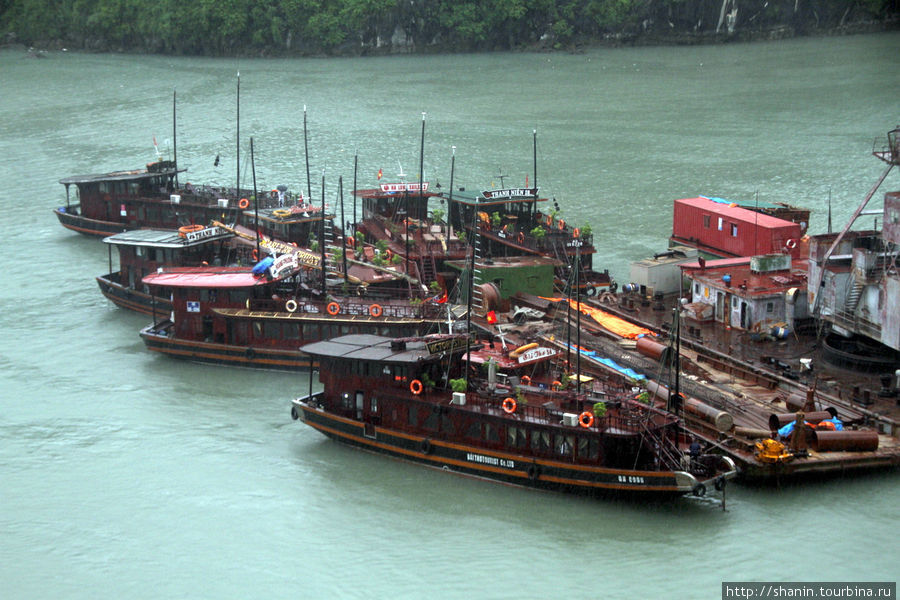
x,y
91,227
250,357
132,299
493,465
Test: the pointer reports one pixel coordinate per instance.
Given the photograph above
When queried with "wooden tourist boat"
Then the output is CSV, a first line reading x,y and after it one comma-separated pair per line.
x,y
393,396
109,203
231,316
143,251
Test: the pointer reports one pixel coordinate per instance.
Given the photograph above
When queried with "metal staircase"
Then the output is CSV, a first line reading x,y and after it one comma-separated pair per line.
x,y
853,296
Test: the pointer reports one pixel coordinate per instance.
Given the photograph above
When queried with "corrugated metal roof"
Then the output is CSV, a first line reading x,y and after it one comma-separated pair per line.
x,y
162,238
741,215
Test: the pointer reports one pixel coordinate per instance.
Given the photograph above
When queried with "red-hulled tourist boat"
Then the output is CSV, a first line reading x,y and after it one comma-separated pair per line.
x,y
143,251
232,316
110,203
393,396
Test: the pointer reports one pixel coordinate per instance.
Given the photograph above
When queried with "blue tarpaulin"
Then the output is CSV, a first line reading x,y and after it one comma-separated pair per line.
x,y
262,265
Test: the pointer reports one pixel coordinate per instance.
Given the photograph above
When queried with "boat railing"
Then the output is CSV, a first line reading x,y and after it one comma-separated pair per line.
x,y
362,307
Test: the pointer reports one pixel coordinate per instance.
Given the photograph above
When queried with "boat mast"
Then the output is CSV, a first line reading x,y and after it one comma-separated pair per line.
x,y
343,229
534,162
174,141
469,295
255,197
306,151
322,231
355,165
450,198
422,166
578,317
674,404
237,187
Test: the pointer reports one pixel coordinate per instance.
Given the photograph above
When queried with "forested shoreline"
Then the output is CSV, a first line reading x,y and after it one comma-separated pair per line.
x,y
363,27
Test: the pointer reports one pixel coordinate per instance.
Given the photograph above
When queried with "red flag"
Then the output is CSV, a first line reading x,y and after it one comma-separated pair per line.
x,y
491,317
380,173
443,299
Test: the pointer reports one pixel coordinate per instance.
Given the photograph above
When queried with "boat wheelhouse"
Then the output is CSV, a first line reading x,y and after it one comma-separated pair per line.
x,y
393,396
231,316
144,251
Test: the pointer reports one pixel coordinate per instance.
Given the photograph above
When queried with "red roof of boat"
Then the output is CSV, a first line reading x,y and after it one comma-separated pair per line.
x,y
206,277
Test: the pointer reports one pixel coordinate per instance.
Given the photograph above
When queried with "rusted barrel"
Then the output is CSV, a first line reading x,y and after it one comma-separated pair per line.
x,y
751,433
653,349
722,420
777,421
851,441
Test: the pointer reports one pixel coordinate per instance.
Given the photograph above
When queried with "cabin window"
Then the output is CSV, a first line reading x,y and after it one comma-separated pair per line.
x,y
696,289
238,296
346,401
770,307
721,223
373,405
473,431
491,434
311,332
257,329
515,437
432,420
412,415
588,448
733,229
706,221
272,330
292,331
540,441
564,444
446,424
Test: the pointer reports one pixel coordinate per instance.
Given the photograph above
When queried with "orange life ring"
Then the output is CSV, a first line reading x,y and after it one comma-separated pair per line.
x,y
350,241
388,254
376,311
254,254
244,203
416,387
183,231
549,220
525,379
576,233
509,406
556,384
586,419
521,237
333,308
562,225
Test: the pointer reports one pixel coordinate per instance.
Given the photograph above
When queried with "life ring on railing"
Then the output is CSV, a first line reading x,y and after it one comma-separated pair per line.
x,y
388,254
183,231
349,241
549,221
576,233
376,311
254,255
509,406
556,384
416,387
244,203
790,244
586,419
521,237
333,308
281,213
290,305
525,379
562,225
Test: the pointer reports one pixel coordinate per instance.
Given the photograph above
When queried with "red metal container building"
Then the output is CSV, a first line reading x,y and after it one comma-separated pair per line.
x,y
726,230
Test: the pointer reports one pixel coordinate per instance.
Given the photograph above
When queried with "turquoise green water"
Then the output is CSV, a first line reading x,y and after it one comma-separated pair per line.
x,y
127,475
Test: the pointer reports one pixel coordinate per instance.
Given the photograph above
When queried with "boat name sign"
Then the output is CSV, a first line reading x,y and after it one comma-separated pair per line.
x,y
447,345
403,187
284,264
510,193
536,354
490,460
206,232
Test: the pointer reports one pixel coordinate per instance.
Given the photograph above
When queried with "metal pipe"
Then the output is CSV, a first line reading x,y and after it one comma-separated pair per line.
x,y
851,441
777,421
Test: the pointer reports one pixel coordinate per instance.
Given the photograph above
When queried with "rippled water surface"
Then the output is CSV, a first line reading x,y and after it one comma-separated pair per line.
x,y
128,475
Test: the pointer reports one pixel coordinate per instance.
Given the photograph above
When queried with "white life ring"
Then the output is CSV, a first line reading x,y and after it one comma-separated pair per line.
x,y
291,305
791,244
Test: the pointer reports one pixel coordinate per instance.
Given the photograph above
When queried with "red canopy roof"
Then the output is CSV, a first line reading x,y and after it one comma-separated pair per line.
x,y
206,277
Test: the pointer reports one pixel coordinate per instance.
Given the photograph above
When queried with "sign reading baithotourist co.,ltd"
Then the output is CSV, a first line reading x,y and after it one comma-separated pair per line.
x,y
536,354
